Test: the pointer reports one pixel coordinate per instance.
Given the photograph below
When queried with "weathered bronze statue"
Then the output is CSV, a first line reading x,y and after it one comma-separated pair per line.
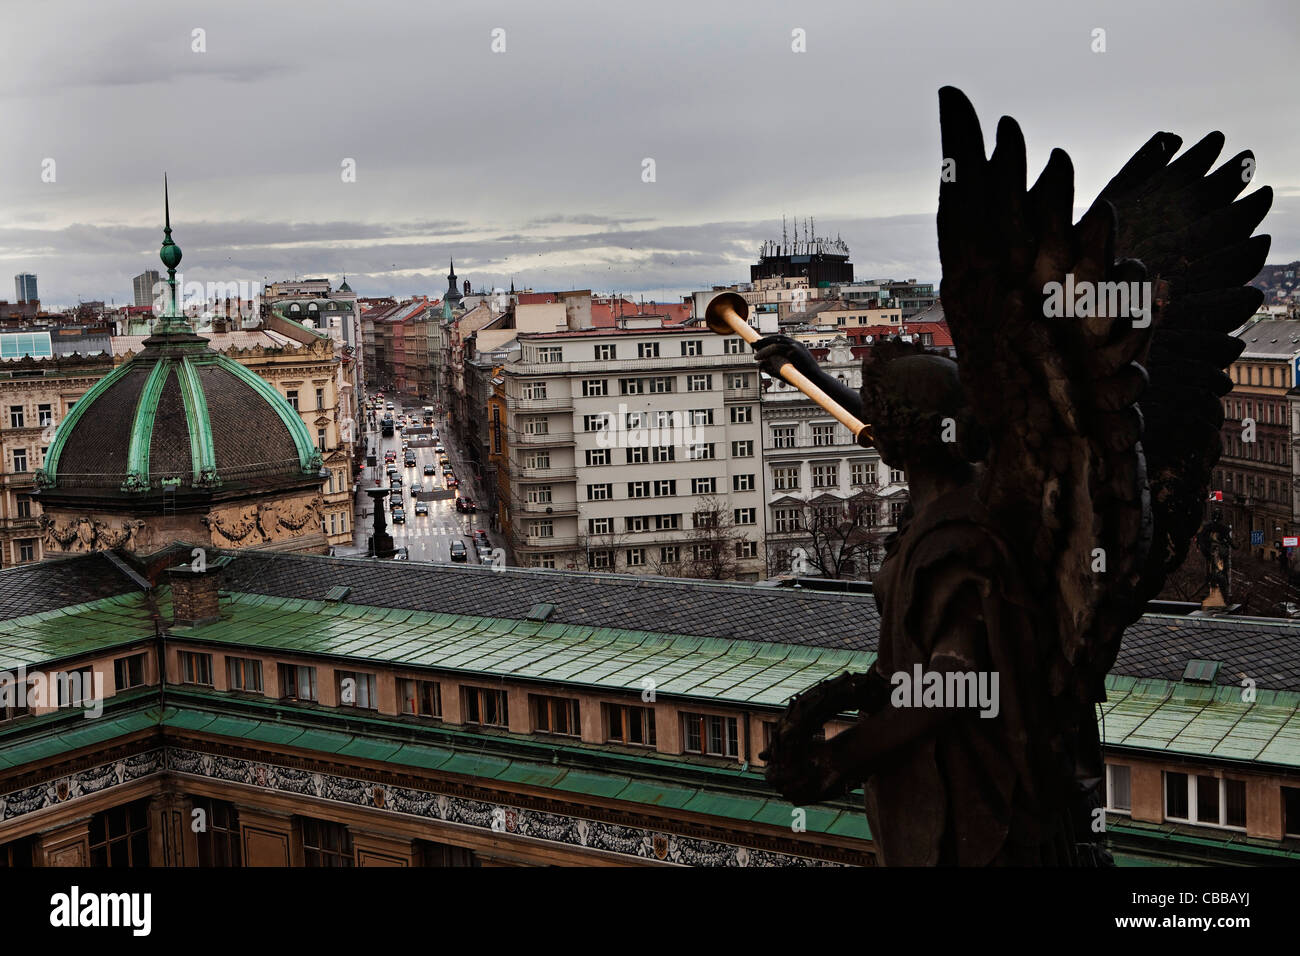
x,y
1058,471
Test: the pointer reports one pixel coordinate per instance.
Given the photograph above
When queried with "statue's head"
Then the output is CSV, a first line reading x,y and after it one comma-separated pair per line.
x,y
917,409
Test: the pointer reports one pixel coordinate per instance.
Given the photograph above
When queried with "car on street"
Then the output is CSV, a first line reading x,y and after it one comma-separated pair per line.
x,y
411,462
430,470
421,508
480,535
389,406
459,552
466,505
395,501
397,482
453,481
439,448
399,515
390,456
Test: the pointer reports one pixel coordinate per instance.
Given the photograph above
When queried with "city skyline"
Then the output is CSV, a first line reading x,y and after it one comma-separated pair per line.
x,y
548,188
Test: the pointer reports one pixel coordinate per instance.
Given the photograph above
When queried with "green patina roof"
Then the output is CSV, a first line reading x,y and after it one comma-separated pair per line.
x,y
1179,719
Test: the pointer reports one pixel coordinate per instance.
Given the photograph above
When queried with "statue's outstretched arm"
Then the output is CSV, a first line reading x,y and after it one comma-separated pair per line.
x,y
774,350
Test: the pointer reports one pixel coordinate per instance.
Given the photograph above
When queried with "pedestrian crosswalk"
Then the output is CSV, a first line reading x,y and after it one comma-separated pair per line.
x,y
416,531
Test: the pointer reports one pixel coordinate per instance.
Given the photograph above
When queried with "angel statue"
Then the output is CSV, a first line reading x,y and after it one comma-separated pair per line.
x,y
1057,471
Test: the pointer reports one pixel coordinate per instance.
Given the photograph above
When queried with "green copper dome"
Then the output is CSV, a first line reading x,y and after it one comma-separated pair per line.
x,y
178,416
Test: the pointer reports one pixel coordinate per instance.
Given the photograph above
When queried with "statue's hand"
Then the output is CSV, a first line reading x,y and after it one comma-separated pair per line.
x,y
773,351
802,768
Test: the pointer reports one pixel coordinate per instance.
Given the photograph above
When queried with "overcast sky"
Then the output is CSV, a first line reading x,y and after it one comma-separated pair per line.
x,y
528,163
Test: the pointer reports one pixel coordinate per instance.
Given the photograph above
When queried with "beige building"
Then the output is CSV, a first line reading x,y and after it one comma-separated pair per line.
x,y
37,391
635,449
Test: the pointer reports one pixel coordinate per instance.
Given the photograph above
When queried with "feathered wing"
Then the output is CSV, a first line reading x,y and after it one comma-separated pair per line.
x,y
1063,396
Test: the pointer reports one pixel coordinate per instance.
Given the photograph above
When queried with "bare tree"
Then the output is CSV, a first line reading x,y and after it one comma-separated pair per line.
x,y
831,537
710,549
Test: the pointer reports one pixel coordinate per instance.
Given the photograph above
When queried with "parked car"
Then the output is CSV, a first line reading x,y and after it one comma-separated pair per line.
x,y
430,470
466,505
421,508
459,552
399,515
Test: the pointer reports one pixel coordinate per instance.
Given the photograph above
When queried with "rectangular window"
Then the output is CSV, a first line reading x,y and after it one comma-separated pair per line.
x,y
783,436
26,550
635,557
600,525
24,506
542,529
699,383
550,355
16,417
711,735
638,455
670,554
539,494
356,689
733,345
705,451
660,386
638,489
601,492
128,671
735,381
20,460
536,426
484,707
627,724
668,522
595,423
704,486
785,478
825,476
420,698
705,519
693,347
244,673
665,488
534,391
746,549
120,836
596,457
786,519
595,387
196,668
862,473
742,449
631,386
702,552
647,350
325,843
555,715
292,396
896,476
1119,788
742,414
1205,800
606,353
823,435
662,453
637,523
219,843
298,682
699,416
745,516
742,482
320,398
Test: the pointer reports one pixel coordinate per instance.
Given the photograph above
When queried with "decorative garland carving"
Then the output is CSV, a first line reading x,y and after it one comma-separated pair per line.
x,y
87,534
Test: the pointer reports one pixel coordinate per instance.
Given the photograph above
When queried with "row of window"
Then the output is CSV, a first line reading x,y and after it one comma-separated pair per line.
x,y
862,513
608,351
1270,452
1264,413
18,416
604,559
1253,485
1254,375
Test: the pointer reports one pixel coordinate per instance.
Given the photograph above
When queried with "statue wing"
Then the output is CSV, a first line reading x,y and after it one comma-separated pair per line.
x,y
1063,394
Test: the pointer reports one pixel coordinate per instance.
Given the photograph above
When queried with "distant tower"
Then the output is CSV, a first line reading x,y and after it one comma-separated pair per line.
x,y
25,287
453,295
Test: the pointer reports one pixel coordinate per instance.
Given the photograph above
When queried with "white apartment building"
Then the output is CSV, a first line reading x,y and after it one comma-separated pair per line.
x,y
636,449
830,503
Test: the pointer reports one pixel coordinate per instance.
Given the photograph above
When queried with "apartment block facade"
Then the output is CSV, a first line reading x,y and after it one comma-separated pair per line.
x,y
635,449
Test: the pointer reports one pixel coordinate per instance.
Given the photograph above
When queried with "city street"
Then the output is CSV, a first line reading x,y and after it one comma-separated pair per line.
x,y
424,538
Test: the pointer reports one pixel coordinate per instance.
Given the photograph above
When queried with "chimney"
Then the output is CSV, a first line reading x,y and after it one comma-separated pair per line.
x,y
196,591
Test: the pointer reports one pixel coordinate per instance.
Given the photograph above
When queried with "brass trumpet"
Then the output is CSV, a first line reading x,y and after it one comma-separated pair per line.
x,y
726,315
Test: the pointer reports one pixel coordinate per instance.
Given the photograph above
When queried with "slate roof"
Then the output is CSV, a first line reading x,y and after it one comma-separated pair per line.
x,y
36,588
1158,646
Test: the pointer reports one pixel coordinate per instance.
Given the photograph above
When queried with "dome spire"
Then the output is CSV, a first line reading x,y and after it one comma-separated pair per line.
x,y
170,254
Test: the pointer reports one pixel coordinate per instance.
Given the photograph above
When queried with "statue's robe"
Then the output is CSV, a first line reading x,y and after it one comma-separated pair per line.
x,y
971,793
